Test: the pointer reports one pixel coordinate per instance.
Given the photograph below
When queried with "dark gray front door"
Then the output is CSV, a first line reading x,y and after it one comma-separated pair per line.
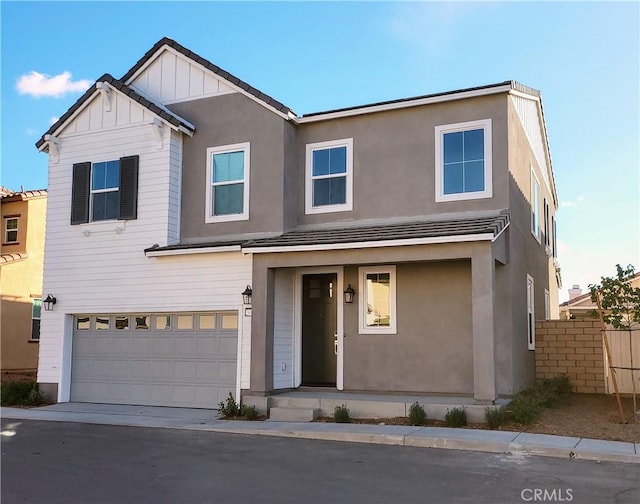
x,y
319,319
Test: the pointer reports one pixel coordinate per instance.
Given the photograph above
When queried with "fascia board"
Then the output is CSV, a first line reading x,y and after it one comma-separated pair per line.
x,y
404,104
192,251
370,244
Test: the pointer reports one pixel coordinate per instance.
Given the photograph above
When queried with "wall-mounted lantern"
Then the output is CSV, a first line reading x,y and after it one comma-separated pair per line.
x,y
49,301
246,295
348,294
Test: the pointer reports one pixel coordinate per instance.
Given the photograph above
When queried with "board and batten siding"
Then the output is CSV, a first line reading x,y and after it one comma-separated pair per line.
x,y
101,267
283,330
172,78
527,109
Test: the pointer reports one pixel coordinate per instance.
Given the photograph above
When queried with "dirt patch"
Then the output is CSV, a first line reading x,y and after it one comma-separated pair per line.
x,y
593,416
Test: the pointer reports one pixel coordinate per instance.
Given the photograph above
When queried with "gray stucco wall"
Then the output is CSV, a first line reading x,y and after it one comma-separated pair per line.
x,y
433,348
527,255
394,159
224,120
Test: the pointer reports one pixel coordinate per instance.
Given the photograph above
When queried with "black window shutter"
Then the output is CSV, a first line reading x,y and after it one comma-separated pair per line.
x,y
80,193
129,187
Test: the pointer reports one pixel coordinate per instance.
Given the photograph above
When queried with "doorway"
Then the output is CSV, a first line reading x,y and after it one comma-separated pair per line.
x,y
319,329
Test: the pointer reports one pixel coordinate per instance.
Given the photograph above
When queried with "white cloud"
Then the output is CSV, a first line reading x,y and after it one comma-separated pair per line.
x,y
572,203
38,85
32,132
53,120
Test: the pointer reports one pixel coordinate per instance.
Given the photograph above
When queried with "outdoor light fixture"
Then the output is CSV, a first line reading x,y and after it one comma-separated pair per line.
x,y
348,294
246,295
49,301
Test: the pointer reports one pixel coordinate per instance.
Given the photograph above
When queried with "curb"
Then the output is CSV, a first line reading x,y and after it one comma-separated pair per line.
x,y
505,442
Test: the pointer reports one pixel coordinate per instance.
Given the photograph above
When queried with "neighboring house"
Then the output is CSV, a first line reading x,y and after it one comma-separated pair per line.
x,y
21,258
177,186
623,345
580,305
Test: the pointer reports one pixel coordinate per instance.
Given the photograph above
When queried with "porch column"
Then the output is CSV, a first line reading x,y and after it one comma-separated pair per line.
x,y
483,293
262,329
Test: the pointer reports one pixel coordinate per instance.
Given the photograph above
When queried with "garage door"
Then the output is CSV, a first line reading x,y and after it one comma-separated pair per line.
x,y
179,359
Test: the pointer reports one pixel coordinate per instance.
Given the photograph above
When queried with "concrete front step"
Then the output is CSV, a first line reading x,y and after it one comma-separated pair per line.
x,y
285,414
368,406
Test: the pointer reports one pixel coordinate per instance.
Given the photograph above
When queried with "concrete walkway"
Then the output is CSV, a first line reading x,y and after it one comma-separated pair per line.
x,y
426,437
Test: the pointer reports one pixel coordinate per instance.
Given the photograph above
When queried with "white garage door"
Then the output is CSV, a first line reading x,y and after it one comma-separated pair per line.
x,y
179,359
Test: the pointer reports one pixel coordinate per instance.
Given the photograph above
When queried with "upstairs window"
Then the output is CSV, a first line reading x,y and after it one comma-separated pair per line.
x,y
107,190
228,183
11,230
329,177
463,161
535,206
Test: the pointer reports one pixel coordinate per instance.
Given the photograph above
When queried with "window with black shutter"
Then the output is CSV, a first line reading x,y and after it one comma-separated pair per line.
x,y
106,190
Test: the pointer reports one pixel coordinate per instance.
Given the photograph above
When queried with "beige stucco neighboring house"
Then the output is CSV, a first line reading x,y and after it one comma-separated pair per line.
x,y
580,305
21,261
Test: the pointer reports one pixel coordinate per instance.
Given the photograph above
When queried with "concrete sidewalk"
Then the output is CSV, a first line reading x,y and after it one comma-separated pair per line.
x,y
425,437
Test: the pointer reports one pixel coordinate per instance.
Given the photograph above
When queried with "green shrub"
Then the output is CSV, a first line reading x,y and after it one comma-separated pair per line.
x,y
341,414
417,415
495,417
248,412
525,408
457,417
20,393
231,409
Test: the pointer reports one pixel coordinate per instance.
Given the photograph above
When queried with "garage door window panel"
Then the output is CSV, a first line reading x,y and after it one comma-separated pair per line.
x,y
207,322
103,323
142,322
122,323
163,322
83,323
185,322
230,321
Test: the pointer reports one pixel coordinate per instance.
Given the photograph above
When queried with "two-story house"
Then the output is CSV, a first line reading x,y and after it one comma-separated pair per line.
x,y
404,246
21,258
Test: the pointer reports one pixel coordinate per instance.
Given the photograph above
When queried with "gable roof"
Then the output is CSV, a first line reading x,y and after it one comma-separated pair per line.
x,y
158,109
242,85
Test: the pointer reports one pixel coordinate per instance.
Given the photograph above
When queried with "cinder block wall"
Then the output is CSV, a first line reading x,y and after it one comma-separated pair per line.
x,y
572,348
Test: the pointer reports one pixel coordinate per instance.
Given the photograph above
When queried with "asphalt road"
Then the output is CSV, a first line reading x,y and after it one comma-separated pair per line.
x,y
56,462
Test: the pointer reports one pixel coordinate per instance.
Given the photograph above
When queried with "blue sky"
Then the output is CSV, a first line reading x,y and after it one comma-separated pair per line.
x,y
583,56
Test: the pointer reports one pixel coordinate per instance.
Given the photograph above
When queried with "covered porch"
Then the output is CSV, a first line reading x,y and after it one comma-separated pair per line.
x,y
439,347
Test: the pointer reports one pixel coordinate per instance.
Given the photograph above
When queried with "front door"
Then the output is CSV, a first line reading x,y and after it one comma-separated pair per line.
x,y
319,324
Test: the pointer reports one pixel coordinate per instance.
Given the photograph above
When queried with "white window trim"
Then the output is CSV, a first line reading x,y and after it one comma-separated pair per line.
x,y
208,211
531,314
308,200
7,230
440,131
362,300
535,207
